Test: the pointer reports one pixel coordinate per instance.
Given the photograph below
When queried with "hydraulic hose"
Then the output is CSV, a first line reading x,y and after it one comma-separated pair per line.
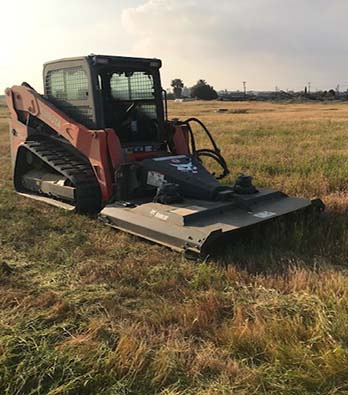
x,y
214,153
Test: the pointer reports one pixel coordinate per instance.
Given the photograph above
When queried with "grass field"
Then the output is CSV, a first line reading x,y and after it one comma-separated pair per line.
x,y
89,310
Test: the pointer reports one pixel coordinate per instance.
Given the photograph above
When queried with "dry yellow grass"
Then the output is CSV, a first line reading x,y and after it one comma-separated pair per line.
x,y
89,310
299,148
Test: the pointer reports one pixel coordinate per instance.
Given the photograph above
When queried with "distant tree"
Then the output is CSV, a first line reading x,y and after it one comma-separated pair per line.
x,y
170,96
203,91
186,92
177,86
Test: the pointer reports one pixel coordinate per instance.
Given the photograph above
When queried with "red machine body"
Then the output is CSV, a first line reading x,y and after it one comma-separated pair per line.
x,y
101,147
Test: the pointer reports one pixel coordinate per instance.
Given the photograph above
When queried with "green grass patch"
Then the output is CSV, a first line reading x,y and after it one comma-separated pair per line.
x,y
85,309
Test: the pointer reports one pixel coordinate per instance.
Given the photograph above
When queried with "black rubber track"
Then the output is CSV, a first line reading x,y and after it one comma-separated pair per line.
x,y
77,170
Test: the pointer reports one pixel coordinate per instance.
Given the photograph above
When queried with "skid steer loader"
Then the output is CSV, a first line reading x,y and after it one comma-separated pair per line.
x,y
99,141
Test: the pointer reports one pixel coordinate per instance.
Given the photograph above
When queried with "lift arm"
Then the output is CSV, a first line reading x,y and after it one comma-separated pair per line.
x,y
101,147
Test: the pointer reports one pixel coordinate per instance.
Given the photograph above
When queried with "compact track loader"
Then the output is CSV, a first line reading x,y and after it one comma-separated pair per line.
x,y
99,141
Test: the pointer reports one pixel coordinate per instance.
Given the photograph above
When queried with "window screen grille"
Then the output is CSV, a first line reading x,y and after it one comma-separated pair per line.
x,y
132,86
148,109
66,88
67,84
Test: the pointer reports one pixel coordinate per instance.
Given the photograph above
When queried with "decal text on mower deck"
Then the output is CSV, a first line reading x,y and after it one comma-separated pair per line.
x,y
264,214
159,215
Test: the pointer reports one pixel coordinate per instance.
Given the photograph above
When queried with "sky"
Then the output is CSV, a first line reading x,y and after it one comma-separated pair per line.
x,y
267,43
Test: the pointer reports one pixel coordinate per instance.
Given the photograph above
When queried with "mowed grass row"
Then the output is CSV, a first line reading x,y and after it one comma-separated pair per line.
x,y
89,310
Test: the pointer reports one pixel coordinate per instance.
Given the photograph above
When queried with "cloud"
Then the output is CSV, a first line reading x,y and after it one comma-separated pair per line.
x,y
38,31
265,42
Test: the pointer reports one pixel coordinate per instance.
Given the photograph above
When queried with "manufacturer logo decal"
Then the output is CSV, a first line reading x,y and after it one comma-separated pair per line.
x,y
157,214
186,167
50,118
264,214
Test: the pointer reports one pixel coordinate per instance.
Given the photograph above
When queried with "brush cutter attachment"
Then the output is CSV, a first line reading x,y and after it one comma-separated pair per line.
x,y
195,210
195,225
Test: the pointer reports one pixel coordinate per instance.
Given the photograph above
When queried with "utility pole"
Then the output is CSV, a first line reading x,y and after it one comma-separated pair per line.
x,y
244,88
309,87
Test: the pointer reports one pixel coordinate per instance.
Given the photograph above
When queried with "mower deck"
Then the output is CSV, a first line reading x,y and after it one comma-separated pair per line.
x,y
195,224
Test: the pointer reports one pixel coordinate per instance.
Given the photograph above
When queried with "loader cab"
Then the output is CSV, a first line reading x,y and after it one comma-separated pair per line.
x,y
120,93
